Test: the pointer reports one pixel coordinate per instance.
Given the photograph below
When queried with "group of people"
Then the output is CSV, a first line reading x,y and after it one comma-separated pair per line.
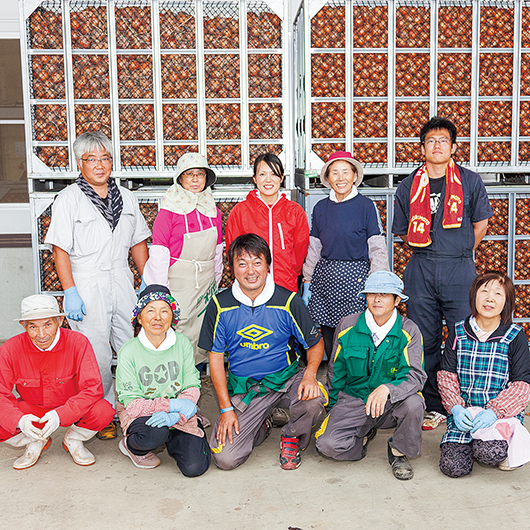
x,y
384,370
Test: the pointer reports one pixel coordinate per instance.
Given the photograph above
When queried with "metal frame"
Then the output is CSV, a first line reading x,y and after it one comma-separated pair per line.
x,y
391,167
37,170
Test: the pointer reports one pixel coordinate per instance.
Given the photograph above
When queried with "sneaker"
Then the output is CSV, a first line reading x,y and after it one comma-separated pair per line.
x,y
109,432
148,461
289,453
366,440
280,417
400,465
504,466
431,420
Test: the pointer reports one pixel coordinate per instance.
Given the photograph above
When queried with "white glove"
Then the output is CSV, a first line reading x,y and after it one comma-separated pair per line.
x,y
53,422
25,424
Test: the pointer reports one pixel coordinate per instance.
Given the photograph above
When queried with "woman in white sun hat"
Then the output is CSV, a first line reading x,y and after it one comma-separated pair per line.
x,y
346,243
187,250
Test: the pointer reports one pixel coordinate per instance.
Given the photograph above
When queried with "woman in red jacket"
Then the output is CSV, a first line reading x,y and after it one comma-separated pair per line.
x,y
281,222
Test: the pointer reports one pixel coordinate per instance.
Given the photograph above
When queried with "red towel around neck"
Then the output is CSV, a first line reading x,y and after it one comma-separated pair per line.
x,y
420,205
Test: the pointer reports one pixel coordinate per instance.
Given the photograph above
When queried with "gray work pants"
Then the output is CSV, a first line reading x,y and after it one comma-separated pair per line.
x,y
342,432
304,415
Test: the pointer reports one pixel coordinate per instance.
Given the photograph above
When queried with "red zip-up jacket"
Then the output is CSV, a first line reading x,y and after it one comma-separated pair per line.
x,y
283,225
65,378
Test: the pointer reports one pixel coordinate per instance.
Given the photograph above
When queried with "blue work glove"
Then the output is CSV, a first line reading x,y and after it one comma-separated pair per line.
x,y
186,407
74,307
484,419
143,285
163,419
463,418
306,293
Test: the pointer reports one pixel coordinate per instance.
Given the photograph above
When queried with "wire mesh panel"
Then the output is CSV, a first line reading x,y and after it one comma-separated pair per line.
x,y
49,123
264,26
133,24
179,76
88,26
44,27
122,67
177,25
92,117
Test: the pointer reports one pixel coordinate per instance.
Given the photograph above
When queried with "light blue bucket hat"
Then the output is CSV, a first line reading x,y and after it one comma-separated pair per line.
x,y
384,282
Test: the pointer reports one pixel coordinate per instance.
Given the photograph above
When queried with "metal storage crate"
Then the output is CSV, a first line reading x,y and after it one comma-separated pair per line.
x,y
505,246
371,72
160,77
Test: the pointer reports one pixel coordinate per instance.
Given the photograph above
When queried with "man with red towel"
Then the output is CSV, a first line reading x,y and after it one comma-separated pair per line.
x,y
441,210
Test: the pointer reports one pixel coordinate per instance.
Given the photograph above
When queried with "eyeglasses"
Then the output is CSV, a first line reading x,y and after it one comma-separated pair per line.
x,y
434,141
93,161
194,174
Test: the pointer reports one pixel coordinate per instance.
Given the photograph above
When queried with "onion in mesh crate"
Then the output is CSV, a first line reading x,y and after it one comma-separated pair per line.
x,y
328,28
455,26
264,75
264,30
45,29
496,27
223,121
370,23
223,155
49,123
413,27
496,70
133,27
221,32
89,28
494,151
495,118
48,76
370,74
177,30
328,75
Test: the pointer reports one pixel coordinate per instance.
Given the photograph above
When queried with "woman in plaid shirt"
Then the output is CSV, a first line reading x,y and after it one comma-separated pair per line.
x,y
484,378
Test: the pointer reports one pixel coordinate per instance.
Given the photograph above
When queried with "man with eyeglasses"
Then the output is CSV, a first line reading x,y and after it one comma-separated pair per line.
x,y
94,225
441,210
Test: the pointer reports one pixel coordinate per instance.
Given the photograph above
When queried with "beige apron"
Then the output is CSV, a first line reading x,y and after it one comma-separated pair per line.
x,y
192,283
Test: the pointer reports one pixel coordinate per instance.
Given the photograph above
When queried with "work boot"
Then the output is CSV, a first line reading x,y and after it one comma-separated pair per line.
x,y
400,465
109,432
73,444
32,454
19,440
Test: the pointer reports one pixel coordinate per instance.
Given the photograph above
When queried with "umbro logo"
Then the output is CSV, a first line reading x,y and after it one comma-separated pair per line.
x,y
254,332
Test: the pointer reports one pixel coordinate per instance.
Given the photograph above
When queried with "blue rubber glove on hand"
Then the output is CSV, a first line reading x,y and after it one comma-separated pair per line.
x,y
143,285
484,419
185,407
463,418
74,307
163,419
306,293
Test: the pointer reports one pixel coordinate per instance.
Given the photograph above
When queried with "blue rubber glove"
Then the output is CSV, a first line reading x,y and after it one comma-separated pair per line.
x,y
484,419
143,285
74,307
185,407
163,419
306,293
463,418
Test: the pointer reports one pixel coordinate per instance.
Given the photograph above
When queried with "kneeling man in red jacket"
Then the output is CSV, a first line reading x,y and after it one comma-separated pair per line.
x,y
55,373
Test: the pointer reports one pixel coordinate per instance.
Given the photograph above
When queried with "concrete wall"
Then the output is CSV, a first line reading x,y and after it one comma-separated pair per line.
x,y
16,273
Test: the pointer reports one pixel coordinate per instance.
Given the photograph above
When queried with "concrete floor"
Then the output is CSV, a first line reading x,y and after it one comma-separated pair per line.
x,y
321,494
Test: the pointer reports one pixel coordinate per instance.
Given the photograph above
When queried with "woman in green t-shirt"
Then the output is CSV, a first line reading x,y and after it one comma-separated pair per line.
x,y
158,388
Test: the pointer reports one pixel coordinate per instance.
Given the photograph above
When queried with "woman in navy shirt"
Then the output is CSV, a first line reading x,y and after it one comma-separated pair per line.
x,y
346,244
